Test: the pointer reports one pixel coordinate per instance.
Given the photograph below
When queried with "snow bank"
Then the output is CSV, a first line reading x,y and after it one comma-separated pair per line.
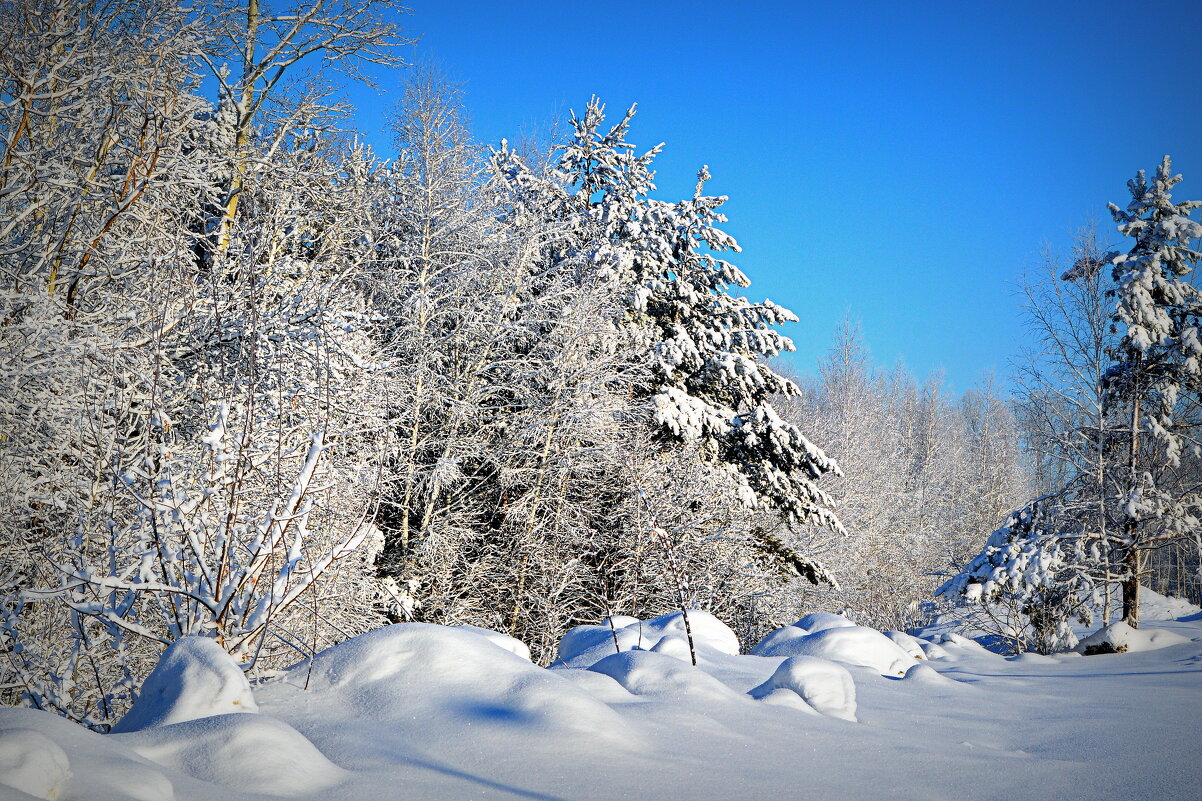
x,y
853,645
911,645
194,678
586,645
658,675
925,674
35,747
419,671
820,621
33,763
1120,638
511,644
824,686
247,753
1154,606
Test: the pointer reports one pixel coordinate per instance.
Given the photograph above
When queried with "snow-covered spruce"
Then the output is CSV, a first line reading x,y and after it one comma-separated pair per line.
x,y
710,385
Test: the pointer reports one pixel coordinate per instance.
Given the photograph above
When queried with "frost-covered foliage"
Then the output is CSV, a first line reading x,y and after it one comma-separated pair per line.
x,y
180,455
1156,368
925,473
1034,577
709,385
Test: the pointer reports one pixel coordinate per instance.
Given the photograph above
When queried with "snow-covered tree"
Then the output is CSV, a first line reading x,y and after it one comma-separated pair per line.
x,y
1157,366
710,386
923,471
1034,576
1110,408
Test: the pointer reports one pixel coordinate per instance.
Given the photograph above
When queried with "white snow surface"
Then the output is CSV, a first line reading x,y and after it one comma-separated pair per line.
x,y
852,645
195,678
825,686
585,645
1122,638
444,714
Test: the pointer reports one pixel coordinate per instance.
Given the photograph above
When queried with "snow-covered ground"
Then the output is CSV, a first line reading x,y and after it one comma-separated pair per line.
x,y
829,711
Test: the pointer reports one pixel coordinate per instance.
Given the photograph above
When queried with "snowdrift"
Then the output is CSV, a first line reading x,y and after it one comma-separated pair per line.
x,y
438,713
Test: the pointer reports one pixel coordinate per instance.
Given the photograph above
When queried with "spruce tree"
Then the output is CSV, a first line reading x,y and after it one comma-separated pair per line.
x,y
1156,360
710,385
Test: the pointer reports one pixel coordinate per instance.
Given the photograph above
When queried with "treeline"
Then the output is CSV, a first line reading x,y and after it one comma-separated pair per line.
x,y
925,475
258,384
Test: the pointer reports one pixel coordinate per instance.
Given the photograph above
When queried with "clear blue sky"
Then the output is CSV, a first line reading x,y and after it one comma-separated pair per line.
x,y
901,163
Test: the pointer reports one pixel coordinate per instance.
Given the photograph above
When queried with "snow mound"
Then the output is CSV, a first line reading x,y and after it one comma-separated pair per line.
x,y
853,645
820,621
35,747
932,650
33,763
655,674
824,686
777,641
925,674
194,678
422,671
247,753
1155,606
951,639
511,644
910,644
1120,638
586,645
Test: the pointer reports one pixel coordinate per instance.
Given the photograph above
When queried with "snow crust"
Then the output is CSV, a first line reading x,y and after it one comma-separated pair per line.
x,y
195,678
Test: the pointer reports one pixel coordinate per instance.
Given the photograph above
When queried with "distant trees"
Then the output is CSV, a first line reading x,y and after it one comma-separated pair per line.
x,y
1110,407
924,474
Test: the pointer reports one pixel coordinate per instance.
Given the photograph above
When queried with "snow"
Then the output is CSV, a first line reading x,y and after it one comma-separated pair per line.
x,y
510,644
1121,638
662,676
247,753
422,711
819,621
824,685
853,645
33,763
585,645
195,678
911,645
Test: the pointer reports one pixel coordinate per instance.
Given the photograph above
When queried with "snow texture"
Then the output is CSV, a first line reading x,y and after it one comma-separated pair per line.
x,y
662,676
33,763
195,678
822,684
422,711
852,645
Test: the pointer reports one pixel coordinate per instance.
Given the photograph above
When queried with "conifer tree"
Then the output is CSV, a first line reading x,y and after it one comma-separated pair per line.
x,y
1155,362
710,385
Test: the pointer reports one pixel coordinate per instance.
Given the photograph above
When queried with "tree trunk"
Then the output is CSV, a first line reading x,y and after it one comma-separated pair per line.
x,y
1131,588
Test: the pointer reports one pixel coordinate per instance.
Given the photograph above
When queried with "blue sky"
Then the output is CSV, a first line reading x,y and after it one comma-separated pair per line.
x,y
898,163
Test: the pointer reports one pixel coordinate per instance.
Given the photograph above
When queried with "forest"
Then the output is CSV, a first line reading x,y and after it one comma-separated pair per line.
x,y
261,385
